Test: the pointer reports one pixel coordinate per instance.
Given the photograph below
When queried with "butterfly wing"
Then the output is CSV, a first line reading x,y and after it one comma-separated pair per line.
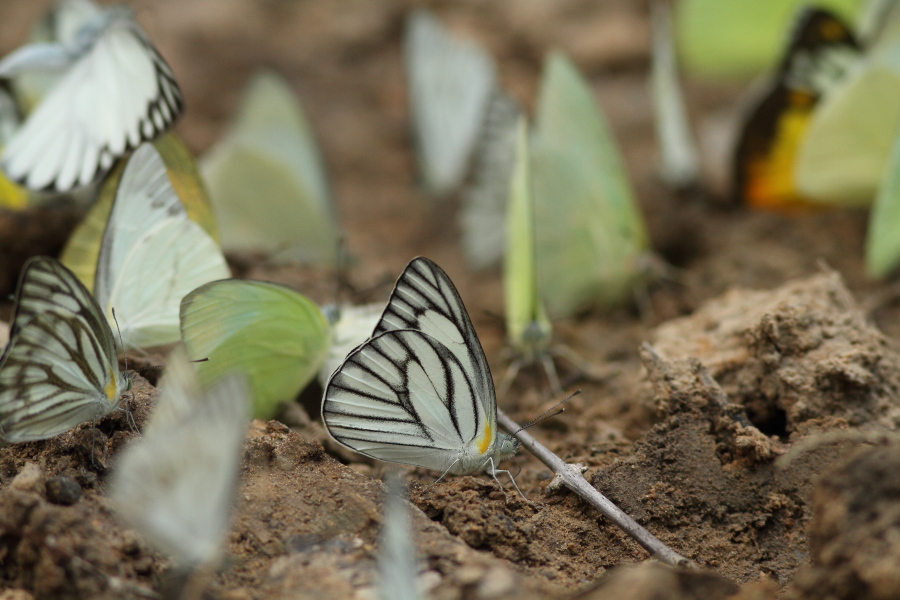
x,y
176,485
527,326
450,84
484,201
152,255
817,57
269,333
115,95
590,236
269,154
60,367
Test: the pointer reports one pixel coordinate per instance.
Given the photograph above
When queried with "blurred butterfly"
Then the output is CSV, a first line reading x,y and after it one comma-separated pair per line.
x,y
680,168
419,391
464,130
60,367
397,569
820,51
12,195
176,485
116,92
591,244
267,182
151,255
882,240
83,247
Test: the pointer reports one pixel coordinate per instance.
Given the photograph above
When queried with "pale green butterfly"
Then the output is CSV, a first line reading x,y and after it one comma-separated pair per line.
x,y
267,182
60,367
152,254
738,38
176,485
528,329
591,242
276,337
845,148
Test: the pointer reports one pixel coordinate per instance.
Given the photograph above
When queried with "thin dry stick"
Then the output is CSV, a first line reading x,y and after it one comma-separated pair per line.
x,y
573,480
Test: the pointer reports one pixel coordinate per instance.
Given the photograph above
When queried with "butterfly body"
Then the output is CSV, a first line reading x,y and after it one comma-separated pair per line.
x,y
60,367
419,391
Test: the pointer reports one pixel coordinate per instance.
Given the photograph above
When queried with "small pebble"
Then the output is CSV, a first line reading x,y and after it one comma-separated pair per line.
x,y
63,490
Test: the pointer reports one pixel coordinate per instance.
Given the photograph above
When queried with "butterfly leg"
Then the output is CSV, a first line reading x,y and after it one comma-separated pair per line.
x,y
511,371
443,475
493,471
550,370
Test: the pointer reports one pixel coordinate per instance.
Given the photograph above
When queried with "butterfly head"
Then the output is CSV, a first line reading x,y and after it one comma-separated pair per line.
x,y
507,446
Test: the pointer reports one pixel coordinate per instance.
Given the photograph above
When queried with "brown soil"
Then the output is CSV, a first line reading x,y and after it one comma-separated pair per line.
x,y
752,433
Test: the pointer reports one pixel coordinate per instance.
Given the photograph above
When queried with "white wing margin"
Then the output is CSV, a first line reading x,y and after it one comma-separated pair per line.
x,y
117,93
403,397
152,255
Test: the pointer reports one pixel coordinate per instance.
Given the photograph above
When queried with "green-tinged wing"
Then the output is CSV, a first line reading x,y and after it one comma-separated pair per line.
x,y
176,484
267,181
12,195
527,327
739,38
846,146
269,333
80,252
883,239
591,241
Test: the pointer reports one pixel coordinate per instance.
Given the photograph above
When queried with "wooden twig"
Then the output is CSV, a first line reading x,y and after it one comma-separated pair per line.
x,y
572,479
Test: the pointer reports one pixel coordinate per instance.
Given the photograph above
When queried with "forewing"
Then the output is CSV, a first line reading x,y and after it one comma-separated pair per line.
x,y
403,397
118,93
60,367
424,299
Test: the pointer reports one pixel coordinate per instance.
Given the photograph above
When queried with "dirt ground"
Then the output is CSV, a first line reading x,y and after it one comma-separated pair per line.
x,y
746,420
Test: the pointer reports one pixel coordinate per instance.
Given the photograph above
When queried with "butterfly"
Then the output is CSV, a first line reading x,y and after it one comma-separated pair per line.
x,y
272,335
818,55
464,129
176,485
419,391
882,241
60,367
151,255
117,91
591,243
267,180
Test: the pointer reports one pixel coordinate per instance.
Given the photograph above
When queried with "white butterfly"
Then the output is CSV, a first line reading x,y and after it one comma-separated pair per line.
x,y
116,92
419,391
176,485
152,255
60,368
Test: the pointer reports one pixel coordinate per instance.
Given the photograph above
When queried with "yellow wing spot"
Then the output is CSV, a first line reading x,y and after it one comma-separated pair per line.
x,y
111,388
486,440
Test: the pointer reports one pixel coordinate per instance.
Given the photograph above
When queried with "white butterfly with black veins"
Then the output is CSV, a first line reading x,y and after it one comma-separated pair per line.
x,y
419,391
116,92
176,485
60,368
152,255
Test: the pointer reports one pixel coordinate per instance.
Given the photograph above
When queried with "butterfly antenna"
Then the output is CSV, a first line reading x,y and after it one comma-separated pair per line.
x,y
119,332
544,416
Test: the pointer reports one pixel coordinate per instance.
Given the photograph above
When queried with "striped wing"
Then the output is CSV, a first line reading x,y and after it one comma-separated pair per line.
x,y
420,390
117,93
152,255
60,367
